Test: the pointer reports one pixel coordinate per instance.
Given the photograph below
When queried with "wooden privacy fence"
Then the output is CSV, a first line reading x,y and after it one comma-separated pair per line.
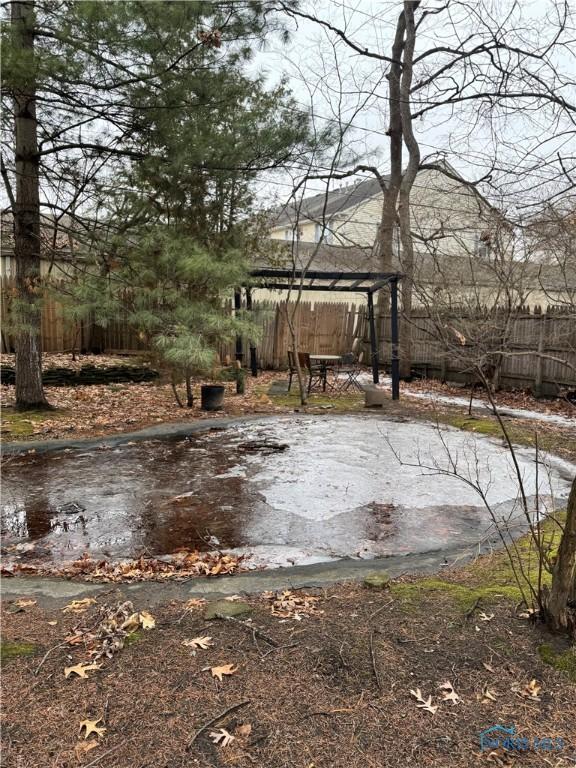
x,y
535,343
538,348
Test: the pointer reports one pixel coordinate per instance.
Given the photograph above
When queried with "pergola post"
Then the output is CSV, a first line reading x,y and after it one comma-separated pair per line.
x,y
237,308
253,355
373,339
394,338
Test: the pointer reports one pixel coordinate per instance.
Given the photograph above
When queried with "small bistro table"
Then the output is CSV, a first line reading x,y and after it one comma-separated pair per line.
x,y
326,358
325,361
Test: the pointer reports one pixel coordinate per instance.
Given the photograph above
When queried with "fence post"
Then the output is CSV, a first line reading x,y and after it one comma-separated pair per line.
x,y
539,368
373,339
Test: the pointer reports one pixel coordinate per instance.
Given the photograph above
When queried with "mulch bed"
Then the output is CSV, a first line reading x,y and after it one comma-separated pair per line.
x,y
329,690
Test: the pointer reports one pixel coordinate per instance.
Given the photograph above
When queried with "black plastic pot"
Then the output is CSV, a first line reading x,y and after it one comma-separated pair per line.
x,y
211,397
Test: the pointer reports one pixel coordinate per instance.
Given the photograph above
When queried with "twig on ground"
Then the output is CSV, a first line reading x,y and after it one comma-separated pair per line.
x,y
48,652
253,630
103,755
373,658
215,720
278,648
380,609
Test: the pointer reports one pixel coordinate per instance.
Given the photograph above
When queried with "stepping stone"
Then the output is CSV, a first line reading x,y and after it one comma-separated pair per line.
x,y
278,388
226,609
377,580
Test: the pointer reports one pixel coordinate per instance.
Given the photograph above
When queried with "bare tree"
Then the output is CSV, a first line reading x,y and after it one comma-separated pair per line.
x,y
482,69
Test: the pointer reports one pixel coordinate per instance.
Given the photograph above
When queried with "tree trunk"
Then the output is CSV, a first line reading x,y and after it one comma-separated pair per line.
x,y
388,218
407,259
561,600
29,389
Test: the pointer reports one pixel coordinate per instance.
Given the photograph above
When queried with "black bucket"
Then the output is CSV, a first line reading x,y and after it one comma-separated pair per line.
x,y
211,397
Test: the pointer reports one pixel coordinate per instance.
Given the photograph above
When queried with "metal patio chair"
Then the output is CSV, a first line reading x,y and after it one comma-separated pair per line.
x,y
291,368
317,372
350,368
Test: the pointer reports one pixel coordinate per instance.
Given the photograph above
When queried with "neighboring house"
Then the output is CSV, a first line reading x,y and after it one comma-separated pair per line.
x,y
57,248
458,240
447,213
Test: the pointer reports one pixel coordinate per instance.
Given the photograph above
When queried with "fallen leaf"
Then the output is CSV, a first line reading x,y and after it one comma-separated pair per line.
x,y
486,616
489,667
195,602
52,623
132,623
78,606
74,639
449,694
202,642
222,737
81,669
487,695
243,730
424,703
529,613
92,726
25,602
82,747
225,669
147,621
531,690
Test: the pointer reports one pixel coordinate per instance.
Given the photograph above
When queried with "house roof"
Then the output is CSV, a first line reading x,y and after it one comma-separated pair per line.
x,y
52,245
325,205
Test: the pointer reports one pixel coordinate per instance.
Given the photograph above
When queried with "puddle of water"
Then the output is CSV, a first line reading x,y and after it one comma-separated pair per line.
x,y
289,491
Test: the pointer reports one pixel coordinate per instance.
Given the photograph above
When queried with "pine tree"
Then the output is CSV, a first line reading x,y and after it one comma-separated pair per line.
x,y
86,87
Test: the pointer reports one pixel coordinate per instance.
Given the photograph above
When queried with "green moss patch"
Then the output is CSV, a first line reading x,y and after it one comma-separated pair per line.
x,y
463,597
481,426
564,661
490,578
14,650
133,637
22,423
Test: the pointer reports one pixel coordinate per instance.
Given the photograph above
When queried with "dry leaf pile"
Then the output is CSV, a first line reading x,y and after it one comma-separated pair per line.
x,y
181,565
292,605
108,634
529,691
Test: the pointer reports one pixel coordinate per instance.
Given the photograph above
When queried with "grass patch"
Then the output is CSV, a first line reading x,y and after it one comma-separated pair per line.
x,y
549,441
564,661
17,424
15,650
133,638
323,401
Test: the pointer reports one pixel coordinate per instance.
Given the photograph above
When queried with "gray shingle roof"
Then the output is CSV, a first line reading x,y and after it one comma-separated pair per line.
x,y
338,200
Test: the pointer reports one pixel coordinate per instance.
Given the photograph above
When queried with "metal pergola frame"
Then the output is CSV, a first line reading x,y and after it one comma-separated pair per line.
x,y
347,282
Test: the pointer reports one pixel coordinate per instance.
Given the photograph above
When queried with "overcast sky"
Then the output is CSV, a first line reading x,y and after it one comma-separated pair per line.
x,y
335,82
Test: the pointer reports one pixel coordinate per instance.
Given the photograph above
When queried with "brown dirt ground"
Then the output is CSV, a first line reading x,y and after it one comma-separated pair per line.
x,y
335,693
